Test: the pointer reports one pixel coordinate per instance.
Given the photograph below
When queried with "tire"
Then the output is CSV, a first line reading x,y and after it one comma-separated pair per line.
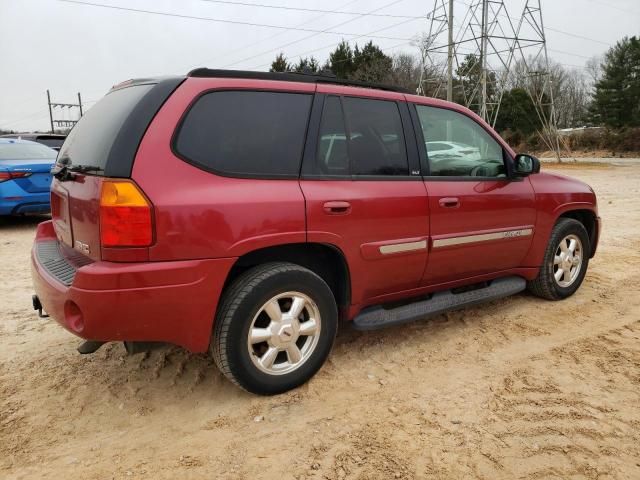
x,y
546,285
247,305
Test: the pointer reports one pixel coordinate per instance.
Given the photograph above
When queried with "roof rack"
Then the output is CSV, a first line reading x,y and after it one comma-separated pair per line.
x,y
291,77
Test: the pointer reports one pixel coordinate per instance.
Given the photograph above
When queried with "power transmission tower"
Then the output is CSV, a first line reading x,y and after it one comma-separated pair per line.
x,y
63,122
486,46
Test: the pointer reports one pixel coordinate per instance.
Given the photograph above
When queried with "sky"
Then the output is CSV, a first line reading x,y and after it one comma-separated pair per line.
x,y
69,47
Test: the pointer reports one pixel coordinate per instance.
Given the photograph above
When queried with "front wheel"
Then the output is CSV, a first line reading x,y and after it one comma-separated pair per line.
x,y
565,261
275,328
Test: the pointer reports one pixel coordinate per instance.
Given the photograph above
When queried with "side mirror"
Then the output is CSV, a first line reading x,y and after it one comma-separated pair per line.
x,y
525,164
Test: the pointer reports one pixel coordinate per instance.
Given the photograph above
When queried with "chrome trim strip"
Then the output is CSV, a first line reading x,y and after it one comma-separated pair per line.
x,y
483,237
403,247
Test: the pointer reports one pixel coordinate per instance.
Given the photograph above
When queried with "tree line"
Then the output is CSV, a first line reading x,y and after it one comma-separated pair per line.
x,y
605,93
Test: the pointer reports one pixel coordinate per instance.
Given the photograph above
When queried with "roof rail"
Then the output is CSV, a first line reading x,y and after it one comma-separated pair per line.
x,y
291,77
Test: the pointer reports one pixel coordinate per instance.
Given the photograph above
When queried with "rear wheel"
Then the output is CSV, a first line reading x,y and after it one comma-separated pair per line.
x,y
565,262
274,328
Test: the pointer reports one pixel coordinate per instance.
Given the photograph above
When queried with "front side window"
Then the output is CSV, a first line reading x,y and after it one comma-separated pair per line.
x,y
367,139
457,146
246,133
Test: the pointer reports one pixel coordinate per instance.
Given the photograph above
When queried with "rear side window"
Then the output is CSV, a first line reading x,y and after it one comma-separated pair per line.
x,y
361,137
90,141
246,133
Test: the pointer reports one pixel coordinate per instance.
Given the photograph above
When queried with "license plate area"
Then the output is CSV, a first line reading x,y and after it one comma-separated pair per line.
x,y
60,214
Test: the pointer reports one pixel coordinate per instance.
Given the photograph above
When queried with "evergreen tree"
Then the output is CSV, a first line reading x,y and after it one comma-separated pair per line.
x,y
341,60
309,65
280,64
517,113
467,83
616,100
371,64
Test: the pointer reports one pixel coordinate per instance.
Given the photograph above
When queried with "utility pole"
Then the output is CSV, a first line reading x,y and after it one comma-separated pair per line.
x,y
450,55
50,112
483,59
63,122
80,104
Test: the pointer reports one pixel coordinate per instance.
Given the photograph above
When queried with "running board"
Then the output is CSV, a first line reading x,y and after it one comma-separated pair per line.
x,y
375,317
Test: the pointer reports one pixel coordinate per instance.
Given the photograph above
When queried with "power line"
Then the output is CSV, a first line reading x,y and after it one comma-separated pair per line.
x,y
276,34
615,7
219,20
28,117
575,35
568,53
307,52
280,47
312,10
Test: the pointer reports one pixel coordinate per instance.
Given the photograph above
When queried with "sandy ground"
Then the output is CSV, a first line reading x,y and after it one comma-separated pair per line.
x,y
517,388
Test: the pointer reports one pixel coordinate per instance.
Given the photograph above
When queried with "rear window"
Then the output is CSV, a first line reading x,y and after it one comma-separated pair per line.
x,y
26,151
51,142
90,141
246,133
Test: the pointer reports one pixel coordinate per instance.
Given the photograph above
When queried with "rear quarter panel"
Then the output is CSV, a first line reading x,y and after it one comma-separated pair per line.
x,y
202,215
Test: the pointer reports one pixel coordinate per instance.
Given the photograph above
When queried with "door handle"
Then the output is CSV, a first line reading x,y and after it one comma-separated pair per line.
x,y
336,208
449,202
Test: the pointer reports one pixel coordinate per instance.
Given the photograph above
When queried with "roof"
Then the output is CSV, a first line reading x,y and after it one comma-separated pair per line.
x,y
291,77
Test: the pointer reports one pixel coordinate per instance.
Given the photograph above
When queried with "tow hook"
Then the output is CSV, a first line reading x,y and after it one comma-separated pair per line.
x,y
38,306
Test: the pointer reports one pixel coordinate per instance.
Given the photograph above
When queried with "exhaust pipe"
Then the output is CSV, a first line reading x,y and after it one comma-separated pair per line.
x,y
138,347
90,346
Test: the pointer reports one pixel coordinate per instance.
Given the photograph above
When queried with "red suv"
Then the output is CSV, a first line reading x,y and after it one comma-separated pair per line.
x,y
245,213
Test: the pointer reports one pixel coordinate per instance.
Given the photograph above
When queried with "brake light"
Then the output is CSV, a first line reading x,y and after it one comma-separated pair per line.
x,y
125,215
4,176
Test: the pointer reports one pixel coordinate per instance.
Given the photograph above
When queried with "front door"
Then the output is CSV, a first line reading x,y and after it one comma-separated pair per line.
x,y
482,220
361,194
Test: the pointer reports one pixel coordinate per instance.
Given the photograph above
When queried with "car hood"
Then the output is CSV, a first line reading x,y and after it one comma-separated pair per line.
x,y
565,183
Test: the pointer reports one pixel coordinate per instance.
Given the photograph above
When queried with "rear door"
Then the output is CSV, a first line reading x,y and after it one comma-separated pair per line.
x,y
363,190
482,220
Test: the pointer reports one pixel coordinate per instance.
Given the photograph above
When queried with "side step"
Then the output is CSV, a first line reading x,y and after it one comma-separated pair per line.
x,y
375,317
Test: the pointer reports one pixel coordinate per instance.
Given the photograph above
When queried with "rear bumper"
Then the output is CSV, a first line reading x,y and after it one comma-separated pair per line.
x,y
26,203
171,302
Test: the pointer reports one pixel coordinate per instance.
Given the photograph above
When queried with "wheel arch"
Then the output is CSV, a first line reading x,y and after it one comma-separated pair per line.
x,y
326,260
588,219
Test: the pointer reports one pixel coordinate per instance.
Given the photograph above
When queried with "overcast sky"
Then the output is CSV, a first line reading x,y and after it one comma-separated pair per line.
x,y
69,48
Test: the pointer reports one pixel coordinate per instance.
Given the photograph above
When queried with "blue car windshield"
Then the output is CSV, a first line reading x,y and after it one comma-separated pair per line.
x,y
26,151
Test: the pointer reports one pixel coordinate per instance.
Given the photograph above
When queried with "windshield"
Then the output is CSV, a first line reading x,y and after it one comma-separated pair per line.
x,y
90,141
26,151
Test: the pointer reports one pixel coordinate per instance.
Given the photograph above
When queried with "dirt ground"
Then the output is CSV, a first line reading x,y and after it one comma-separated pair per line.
x,y
517,388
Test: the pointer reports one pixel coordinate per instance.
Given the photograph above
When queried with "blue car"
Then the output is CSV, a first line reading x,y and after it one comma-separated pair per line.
x,y
25,176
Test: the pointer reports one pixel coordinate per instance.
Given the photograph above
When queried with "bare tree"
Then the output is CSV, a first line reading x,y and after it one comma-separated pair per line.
x,y
593,68
405,71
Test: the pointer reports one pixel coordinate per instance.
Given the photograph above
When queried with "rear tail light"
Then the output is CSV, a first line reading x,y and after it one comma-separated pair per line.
x,y
4,176
125,215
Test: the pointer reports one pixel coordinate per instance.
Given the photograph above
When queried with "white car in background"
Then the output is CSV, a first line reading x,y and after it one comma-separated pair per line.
x,y
452,150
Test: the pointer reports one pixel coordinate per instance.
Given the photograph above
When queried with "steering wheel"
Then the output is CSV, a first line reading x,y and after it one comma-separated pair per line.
x,y
481,170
